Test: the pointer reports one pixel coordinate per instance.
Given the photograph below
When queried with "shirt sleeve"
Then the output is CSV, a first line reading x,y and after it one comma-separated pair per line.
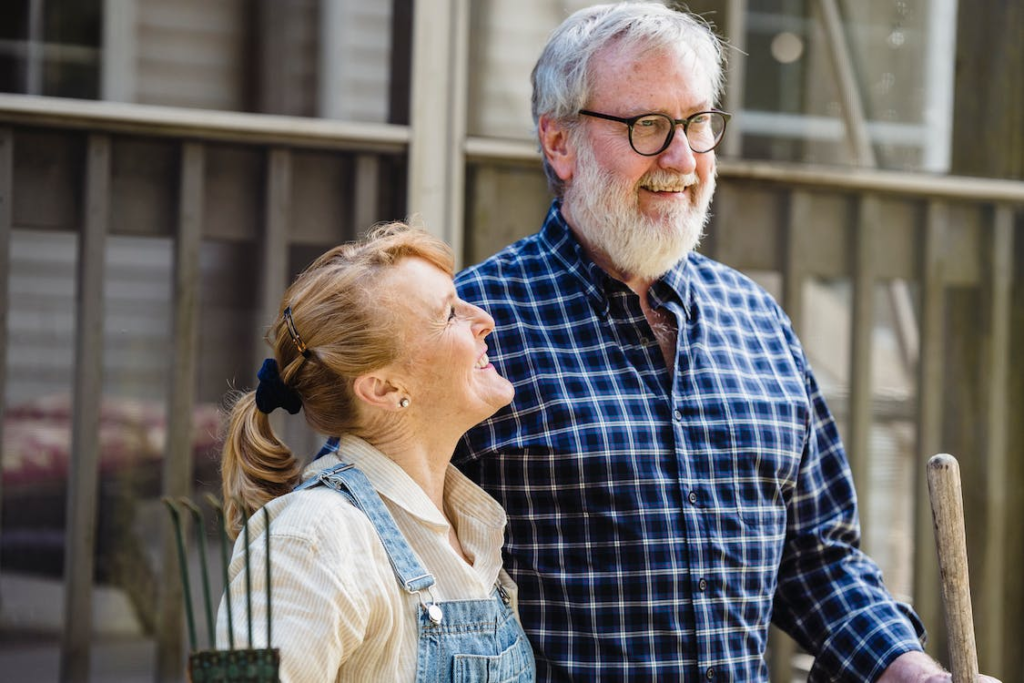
x,y
830,595
317,620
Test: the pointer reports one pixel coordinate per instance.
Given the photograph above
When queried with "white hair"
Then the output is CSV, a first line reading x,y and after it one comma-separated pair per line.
x,y
562,79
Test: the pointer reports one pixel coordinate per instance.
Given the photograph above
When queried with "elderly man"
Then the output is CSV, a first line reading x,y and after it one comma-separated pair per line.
x,y
673,478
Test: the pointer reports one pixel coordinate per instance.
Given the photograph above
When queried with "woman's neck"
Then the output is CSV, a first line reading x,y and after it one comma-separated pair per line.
x,y
425,460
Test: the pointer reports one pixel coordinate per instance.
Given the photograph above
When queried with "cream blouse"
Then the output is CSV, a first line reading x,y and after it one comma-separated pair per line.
x,y
338,611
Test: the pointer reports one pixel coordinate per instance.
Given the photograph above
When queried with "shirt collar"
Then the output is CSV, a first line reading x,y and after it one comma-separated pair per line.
x,y
563,246
675,284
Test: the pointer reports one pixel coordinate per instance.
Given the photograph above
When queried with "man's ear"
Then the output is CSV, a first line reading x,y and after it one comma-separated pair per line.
x,y
377,391
556,146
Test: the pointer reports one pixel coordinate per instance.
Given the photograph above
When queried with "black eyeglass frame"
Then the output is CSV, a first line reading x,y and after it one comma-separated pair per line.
x,y
685,123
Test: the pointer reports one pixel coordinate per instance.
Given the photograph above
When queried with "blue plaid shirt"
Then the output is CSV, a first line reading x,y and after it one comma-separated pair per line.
x,y
657,522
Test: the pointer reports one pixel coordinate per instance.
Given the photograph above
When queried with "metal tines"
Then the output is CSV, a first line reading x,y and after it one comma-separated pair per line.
x,y
248,665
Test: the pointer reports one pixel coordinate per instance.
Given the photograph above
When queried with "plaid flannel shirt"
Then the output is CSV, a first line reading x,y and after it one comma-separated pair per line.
x,y
657,522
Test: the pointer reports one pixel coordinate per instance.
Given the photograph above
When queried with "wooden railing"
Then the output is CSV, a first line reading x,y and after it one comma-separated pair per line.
x,y
100,169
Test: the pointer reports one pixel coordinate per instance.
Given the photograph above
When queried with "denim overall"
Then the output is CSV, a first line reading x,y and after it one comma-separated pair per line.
x,y
465,641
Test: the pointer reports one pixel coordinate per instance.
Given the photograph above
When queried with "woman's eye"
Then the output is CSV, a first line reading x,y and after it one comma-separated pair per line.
x,y
451,314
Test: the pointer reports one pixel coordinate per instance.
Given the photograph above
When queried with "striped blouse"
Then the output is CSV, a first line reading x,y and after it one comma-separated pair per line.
x,y
339,613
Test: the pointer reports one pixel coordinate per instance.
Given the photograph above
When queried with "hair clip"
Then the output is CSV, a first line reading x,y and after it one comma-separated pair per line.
x,y
296,339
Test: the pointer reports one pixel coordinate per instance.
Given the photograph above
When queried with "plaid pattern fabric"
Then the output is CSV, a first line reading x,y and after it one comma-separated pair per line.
x,y
653,519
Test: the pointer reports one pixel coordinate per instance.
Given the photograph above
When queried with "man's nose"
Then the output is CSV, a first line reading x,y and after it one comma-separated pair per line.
x,y
678,156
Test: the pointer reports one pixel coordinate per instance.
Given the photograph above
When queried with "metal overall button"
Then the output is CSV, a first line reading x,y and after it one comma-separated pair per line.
x,y
435,613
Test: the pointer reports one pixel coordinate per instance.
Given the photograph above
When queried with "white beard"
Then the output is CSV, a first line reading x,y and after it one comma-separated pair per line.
x,y
606,213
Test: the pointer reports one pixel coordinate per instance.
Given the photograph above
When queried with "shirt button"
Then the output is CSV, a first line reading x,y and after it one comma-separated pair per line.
x,y
677,415
702,584
710,675
692,497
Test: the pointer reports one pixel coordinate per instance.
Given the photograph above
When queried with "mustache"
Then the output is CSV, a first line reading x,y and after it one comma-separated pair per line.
x,y
661,178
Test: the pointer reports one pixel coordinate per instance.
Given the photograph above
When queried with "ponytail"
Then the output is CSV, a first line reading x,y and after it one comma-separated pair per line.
x,y
256,466
331,329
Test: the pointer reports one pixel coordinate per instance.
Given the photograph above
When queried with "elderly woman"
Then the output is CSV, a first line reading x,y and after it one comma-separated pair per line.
x,y
386,561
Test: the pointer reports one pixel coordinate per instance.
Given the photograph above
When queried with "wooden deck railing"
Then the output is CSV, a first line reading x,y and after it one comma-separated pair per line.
x,y
276,181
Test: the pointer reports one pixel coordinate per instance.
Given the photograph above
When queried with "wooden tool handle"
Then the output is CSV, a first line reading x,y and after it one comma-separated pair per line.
x,y
951,542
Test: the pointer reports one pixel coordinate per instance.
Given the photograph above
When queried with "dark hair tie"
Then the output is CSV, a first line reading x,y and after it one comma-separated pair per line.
x,y
273,393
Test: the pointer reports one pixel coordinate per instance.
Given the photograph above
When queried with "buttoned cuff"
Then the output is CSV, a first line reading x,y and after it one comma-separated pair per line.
x,y
867,643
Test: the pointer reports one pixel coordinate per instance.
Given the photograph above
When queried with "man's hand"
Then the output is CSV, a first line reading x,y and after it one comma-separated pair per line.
x,y
917,667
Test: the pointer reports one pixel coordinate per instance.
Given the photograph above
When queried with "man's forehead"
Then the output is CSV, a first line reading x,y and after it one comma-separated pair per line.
x,y
612,67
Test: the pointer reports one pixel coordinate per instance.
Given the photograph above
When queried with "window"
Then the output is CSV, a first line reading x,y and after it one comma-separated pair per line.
x,y
50,47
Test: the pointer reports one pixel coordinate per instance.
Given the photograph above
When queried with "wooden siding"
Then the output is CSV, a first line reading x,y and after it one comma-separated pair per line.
x,y
235,187
191,53
354,66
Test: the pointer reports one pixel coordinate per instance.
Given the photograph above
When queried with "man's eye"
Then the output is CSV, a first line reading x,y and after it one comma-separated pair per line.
x,y
451,314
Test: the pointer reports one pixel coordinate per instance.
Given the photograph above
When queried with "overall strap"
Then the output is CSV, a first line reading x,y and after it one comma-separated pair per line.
x,y
353,484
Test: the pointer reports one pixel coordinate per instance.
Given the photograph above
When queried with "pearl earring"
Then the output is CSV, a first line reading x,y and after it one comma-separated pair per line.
x,y
404,403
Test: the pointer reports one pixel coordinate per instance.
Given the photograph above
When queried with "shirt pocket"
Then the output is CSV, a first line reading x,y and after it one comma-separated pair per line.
x,y
757,459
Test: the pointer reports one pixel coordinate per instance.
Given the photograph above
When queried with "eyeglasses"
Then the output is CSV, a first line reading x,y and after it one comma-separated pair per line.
x,y
651,134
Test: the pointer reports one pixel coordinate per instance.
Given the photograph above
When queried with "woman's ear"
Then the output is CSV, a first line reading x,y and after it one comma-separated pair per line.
x,y
556,146
377,391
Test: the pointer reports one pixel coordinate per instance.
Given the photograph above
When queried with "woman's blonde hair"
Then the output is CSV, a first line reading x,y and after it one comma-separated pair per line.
x,y
338,309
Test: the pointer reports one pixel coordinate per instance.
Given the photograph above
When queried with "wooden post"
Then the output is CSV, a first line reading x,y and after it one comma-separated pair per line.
x,y
438,117
1013,591
997,358
862,327
931,372
277,210
177,466
6,224
780,646
87,392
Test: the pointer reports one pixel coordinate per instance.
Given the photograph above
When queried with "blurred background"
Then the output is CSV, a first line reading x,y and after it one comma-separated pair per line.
x,y
166,168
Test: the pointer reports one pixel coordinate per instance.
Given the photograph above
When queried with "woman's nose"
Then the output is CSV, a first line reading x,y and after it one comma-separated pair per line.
x,y
482,321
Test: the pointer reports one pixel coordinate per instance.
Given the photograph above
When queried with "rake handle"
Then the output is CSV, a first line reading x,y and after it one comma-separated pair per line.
x,y
951,543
